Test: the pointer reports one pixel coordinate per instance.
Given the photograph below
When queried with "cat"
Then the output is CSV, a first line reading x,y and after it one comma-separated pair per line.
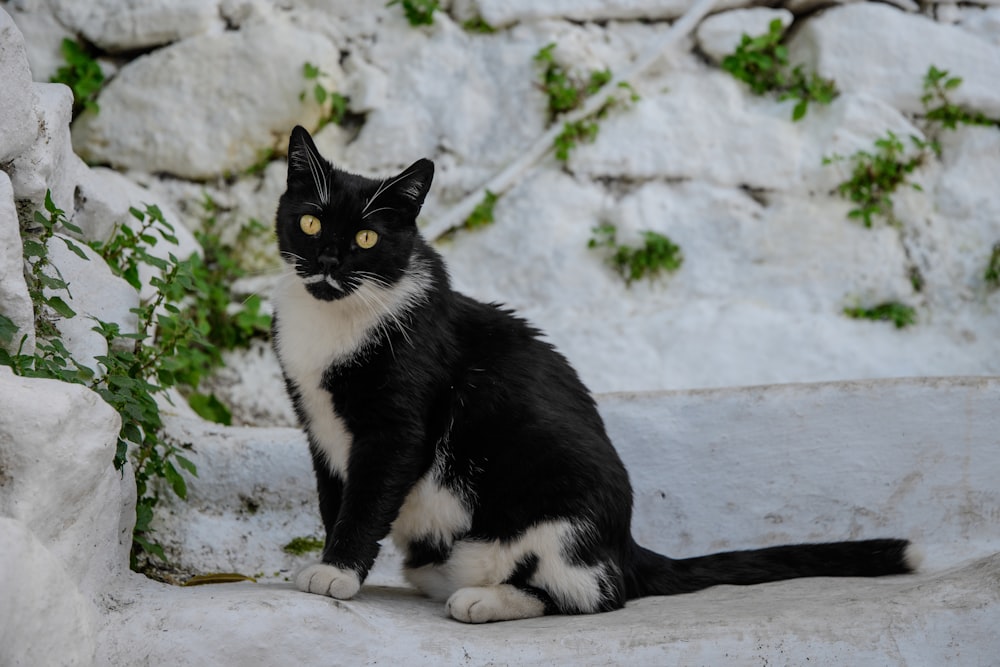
x,y
451,425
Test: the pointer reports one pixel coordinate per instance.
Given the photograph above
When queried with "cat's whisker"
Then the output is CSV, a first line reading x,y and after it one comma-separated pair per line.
x,y
381,208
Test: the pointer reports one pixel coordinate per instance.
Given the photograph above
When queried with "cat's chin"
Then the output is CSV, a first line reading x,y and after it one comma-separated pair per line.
x,y
325,291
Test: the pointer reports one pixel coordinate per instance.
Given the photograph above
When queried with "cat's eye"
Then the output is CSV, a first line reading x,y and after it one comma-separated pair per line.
x,y
366,238
310,224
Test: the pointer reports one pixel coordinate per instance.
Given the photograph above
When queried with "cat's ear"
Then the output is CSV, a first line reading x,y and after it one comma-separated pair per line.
x,y
412,184
304,161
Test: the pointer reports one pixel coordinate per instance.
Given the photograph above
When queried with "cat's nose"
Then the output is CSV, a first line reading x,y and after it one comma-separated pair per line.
x,y
328,262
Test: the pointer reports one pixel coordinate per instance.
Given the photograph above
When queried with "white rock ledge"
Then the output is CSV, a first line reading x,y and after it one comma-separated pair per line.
x,y
714,469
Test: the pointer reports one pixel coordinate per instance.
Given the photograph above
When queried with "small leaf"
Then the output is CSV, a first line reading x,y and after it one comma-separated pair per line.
x,y
74,248
218,578
7,329
60,306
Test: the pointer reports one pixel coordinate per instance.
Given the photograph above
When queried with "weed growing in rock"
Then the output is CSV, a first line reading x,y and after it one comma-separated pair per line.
x,y
992,274
581,131
482,215
939,108
303,545
333,104
657,255
179,332
81,73
876,175
899,314
762,63
418,12
478,24
564,91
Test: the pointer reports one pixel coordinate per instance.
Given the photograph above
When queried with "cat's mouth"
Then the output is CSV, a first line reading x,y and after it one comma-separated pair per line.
x,y
324,287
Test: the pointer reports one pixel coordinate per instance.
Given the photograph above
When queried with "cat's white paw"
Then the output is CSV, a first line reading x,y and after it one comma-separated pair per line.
x,y
492,603
325,579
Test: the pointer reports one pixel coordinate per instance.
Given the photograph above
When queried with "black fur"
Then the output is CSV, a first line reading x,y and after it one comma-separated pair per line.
x,y
475,386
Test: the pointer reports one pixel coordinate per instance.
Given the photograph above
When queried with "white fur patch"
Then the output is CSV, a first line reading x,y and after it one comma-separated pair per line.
x,y
431,511
485,564
325,579
493,603
311,334
913,556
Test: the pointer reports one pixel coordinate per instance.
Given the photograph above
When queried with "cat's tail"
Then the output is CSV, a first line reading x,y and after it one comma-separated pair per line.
x,y
653,574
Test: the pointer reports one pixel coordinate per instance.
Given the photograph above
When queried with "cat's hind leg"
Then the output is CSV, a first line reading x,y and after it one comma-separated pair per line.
x,y
503,602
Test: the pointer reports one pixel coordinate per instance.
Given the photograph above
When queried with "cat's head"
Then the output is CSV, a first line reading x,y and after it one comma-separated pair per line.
x,y
339,230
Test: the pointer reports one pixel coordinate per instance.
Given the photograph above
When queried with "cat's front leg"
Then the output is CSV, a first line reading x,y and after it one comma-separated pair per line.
x,y
379,478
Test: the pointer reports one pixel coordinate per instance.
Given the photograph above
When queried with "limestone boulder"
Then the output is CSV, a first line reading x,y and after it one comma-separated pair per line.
x,y
123,25
44,618
208,105
49,164
719,35
18,120
885,52
15,304
718,140
57,444
506,12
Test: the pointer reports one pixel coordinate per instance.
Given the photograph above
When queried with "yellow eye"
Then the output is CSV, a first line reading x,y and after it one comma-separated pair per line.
x,y
366,238
310,224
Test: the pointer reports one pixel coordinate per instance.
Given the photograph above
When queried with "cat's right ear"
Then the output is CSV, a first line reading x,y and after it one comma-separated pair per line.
x,y
304,160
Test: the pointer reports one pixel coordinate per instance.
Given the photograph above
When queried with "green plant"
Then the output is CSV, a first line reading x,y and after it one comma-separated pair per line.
x,y
657,255
482,215
581,131
333,104
564,91
992,274
81,73
478,24
875,176
939,108
130,375
179,331
899,314
303,545
762,63
418,12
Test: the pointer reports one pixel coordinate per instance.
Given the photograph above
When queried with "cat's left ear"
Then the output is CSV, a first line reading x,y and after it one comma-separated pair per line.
x,y
411,186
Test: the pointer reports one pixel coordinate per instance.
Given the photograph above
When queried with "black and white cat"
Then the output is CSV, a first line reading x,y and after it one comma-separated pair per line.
x,y
449,425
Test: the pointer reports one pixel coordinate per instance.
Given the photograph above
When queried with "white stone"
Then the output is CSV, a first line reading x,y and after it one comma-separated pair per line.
x,y
122,25
94,293
208,105
44,620
505,12
15,304
719,35
984,22
882,51
43,37
57,443
18,120
102,202
452,93
852,122
49,164
719,139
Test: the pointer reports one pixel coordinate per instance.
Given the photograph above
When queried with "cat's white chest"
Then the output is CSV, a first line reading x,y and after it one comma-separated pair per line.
x,y
309,336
